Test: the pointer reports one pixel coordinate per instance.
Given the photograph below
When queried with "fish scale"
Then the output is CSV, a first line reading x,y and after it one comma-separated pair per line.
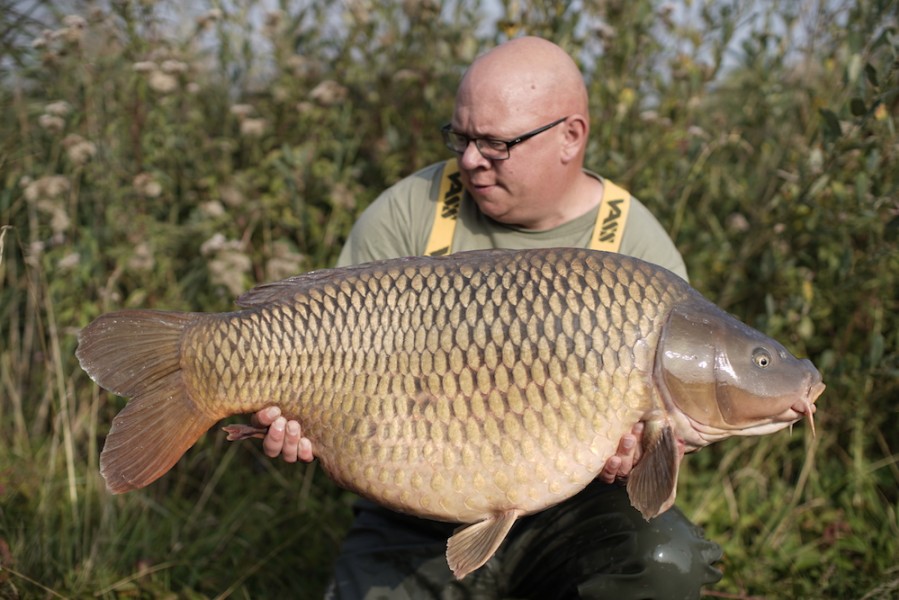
x,y
473,388
489,353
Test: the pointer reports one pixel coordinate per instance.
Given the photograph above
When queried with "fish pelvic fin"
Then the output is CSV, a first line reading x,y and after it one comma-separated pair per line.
x,y
137,354
473,545
652,484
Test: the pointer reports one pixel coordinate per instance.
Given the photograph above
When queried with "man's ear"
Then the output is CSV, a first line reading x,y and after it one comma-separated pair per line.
x,y
576,129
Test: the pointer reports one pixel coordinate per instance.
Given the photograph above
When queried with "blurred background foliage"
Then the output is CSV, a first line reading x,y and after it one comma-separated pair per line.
x,y
169,156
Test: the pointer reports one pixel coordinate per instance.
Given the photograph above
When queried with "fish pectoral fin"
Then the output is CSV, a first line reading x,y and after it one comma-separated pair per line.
x,y
471,546
652,484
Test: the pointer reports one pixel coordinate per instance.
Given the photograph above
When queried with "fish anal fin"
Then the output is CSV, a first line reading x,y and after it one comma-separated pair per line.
x,y
471,546
150,434
652,484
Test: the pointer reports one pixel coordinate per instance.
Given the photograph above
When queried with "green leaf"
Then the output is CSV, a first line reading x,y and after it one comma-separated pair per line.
x,y
871,74
832,129
857,106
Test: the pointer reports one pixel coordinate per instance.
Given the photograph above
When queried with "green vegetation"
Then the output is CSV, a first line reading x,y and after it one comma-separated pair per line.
x,y
156,158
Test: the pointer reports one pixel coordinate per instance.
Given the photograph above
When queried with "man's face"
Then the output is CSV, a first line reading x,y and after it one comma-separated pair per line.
x,y
518,190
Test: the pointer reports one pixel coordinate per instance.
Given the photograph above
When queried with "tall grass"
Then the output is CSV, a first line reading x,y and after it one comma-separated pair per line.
x,y
156,157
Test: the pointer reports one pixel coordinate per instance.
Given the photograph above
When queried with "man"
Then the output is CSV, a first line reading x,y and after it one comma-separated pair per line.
x,y
522,190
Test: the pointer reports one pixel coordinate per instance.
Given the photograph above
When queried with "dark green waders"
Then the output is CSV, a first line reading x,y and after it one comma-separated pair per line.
x,y
594,545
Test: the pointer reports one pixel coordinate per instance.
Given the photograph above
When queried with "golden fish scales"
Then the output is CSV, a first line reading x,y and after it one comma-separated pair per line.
x,y
448,392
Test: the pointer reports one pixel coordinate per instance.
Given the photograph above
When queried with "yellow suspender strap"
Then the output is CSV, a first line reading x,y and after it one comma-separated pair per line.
x,y
441,240
607,233
611,218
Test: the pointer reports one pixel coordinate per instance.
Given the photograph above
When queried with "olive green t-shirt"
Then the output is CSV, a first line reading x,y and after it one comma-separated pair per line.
x,y
398,223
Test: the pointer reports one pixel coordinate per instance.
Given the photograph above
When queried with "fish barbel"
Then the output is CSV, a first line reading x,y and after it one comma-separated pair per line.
x,y
473,388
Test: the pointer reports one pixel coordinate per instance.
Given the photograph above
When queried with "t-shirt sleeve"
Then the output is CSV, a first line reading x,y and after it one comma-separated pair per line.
x,y
397,223
645,238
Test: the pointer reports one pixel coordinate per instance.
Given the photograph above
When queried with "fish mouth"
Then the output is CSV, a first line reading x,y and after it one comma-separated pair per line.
x,y
806,407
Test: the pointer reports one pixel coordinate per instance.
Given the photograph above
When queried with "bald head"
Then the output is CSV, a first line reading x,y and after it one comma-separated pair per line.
x,y
526,75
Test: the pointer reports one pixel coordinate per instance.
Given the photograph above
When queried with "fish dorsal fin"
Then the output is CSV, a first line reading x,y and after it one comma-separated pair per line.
x,y
277,291
652,485
473,545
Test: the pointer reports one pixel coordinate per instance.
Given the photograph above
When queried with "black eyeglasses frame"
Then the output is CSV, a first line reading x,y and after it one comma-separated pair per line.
x,y
447,131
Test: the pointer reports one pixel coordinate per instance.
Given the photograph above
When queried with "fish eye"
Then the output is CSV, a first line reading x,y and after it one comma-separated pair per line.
x,y
761,358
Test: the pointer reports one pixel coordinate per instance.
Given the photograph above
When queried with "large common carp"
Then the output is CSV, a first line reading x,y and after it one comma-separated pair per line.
x,y
473,388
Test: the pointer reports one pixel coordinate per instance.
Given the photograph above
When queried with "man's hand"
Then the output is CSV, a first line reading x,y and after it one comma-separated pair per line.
x,y
284,438
620,465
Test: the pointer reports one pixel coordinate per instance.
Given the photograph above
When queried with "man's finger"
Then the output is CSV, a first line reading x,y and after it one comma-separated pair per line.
x,y
305,450
291,442
265,417
626,449
274,439
609,472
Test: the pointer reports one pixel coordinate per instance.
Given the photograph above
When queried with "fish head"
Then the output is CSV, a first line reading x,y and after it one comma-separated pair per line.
x,y
721,378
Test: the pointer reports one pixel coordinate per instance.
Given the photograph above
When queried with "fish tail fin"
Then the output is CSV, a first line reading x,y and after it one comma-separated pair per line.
x,y
137,354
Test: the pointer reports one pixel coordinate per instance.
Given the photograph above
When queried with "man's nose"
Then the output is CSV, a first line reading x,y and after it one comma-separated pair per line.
x,y
471,157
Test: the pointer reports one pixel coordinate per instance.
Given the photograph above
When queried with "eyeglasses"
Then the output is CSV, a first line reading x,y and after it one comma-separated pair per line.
x,y
490,148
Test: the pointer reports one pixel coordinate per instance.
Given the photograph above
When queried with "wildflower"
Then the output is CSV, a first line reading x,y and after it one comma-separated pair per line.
x,y
51,123
48,187
242,110
231,196
60,108
173,66
606,32
229,263
162,82
328,93
214,244
74,22
342,196
406,75
283,263
253,127
298,64
142,259
78,149
816,160
69,261
36,250
54,207
147,186
228,269
737,223
280,94
144,66
697,131
212,209
358,11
